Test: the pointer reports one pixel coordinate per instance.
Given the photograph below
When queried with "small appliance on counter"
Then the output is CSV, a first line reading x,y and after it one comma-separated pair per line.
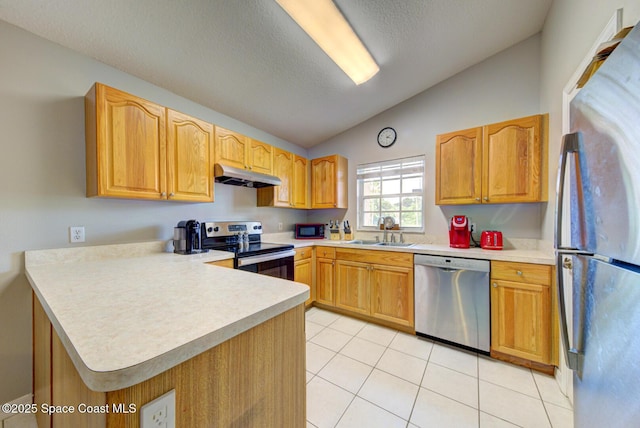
x,y
186,237
309,231
459,234
491,240
334,230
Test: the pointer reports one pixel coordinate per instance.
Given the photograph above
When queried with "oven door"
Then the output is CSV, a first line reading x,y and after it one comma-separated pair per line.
x,y
279,265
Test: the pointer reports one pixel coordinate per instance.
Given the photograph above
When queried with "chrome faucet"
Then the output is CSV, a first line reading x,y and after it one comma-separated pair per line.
x,y
393,237
384,235
401,238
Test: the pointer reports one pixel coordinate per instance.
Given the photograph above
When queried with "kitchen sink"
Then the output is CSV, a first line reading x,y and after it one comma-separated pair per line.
x,y
395,244
363,242
377,243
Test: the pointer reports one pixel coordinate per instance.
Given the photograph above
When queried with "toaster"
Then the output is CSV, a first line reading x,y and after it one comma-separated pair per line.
x,y
491,240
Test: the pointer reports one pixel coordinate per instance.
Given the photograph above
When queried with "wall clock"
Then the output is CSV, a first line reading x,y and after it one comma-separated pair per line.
x,y
386,137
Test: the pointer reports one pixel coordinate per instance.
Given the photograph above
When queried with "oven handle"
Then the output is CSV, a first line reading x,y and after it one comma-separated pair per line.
x,y
245,261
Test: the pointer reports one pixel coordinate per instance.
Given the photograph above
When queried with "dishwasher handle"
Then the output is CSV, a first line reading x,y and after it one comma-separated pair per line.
x,y
452,263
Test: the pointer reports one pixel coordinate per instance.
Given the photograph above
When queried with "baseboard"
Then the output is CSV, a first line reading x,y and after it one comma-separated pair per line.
x,y
25,399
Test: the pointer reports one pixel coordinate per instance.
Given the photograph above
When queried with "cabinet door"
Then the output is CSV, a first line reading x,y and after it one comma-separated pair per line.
x,y
231,148
300,194
512,161
352,286
329,182
459,167
283,169
303,273
325,274
189,158
131,151
392,294
260,157
520,320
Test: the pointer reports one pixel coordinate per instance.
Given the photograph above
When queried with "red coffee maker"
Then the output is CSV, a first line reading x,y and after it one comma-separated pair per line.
x,y
459,234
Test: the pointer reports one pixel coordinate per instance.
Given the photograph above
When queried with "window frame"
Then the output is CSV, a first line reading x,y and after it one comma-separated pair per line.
x,y
385,169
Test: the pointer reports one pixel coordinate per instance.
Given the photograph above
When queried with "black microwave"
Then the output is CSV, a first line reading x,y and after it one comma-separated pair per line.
x,y
309,231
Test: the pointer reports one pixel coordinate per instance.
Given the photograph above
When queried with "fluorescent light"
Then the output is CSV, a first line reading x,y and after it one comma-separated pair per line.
x,y
324,23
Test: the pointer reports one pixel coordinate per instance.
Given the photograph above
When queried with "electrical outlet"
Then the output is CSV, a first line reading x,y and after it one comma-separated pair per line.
x,y
76,234
280,227
159,413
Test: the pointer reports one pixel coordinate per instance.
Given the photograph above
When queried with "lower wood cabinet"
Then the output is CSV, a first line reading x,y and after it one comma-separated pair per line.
x,y
521,312
377,284
325,275
303,271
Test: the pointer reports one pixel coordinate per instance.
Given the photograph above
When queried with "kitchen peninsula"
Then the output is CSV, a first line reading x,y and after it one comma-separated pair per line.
x,y
123,324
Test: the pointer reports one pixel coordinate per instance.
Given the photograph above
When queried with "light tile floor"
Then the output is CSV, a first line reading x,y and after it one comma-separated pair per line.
x,y
362,375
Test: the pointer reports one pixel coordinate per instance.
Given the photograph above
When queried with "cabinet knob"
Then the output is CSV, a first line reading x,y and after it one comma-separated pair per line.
x,y
519,272
163,194
171,195
335,205
486,198
477,199
495,285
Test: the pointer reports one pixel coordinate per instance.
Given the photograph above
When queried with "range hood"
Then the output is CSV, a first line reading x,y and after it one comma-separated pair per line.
x,y
243,177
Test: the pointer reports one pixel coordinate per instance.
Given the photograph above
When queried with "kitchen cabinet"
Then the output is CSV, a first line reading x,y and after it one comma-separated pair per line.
x,y
329,182
503,162
189,158
521,318
303,271
377,284
325,275
141,150
293,171
240,151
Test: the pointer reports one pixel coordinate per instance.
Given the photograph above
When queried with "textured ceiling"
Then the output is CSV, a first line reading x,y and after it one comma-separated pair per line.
x,y
250,61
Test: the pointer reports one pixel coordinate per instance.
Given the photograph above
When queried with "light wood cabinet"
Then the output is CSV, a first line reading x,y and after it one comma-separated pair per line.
x,y
141,150
240,151
504,162
189,158
329,182
303,271
325,275
293,171
378,284
521,319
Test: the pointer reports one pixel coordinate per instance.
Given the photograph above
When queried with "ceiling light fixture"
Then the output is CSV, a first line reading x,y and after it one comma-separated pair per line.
x,y
324,23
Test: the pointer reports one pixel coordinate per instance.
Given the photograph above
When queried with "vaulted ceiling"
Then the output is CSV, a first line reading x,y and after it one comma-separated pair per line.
x,y
250,61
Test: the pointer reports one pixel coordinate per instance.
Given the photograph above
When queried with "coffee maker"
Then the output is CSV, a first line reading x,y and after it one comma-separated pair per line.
x,y
186,237
459,234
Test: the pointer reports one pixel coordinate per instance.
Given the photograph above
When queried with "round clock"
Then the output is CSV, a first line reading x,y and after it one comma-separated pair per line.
x,y
386,137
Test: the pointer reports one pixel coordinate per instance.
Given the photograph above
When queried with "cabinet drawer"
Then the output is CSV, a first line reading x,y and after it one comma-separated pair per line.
x,y
392,258
326,252
521,272
303,253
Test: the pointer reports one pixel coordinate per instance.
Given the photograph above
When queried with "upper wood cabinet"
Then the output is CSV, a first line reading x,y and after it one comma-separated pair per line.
x,y
139,149
293,171
500,163
240,151
329,182
189,158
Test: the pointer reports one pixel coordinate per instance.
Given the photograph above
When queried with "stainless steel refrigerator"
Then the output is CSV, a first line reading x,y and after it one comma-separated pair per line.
x,y
603,150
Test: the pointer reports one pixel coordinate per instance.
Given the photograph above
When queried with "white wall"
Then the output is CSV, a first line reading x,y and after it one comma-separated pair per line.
x,y
570,30
505,86
42,179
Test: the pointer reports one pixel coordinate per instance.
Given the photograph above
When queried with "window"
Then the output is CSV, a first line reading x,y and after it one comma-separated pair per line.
x,y
391,188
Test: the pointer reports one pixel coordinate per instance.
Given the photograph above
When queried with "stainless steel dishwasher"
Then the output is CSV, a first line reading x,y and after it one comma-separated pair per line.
x,y
452,300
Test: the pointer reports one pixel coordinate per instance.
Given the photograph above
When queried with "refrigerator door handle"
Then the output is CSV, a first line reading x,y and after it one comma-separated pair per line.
x,y
571,354
570,144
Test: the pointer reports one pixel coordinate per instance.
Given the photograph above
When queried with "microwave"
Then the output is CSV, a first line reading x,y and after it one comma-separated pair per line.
x,y
309,230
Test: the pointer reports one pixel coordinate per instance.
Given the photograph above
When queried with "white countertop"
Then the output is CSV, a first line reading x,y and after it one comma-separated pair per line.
x,y
523,255
128,312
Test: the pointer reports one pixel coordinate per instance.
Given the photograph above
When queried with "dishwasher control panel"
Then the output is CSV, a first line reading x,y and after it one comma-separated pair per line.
x,y
452,262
